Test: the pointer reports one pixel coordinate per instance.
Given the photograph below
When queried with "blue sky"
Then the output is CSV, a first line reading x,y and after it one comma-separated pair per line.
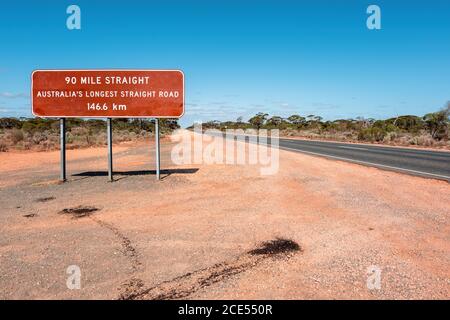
x,y
241,57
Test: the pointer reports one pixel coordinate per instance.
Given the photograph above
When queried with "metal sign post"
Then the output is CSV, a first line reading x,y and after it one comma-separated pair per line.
x,y
109,135
157,149
62,132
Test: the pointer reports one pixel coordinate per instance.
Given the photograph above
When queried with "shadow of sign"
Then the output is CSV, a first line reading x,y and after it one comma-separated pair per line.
x,y
166,172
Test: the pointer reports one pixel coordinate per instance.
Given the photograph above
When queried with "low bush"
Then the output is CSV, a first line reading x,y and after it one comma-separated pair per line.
x,y
16,135
3,146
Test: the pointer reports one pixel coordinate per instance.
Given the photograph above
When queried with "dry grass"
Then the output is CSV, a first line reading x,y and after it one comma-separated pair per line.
x,y
420,139
3,146
82,137
77,138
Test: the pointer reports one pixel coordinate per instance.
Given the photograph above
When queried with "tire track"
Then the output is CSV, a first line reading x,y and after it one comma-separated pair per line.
x,y
184,286
128,249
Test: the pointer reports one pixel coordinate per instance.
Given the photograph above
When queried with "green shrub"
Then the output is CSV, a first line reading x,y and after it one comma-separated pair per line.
x,y
9,123
372,134
28,127
437,123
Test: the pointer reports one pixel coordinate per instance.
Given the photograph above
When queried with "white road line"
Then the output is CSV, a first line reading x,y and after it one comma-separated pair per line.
x,y
360,162
368,163
355,148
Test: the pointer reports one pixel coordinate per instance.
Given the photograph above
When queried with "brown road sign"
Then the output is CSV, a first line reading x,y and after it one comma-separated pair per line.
x,y
107,93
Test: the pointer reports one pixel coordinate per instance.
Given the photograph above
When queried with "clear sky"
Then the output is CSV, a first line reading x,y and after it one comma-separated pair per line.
x,y
241,57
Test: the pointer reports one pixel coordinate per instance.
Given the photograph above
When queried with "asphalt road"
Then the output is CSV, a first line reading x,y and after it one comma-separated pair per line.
x,y
424,163
430,164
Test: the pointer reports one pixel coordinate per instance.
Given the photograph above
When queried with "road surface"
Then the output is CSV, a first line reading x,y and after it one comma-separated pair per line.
x,y
424,163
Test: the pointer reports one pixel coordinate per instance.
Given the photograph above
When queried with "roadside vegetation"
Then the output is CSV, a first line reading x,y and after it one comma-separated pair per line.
x,y
43,134
430,130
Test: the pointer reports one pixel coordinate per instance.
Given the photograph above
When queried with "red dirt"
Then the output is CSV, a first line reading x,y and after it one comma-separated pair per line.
x,y
160,239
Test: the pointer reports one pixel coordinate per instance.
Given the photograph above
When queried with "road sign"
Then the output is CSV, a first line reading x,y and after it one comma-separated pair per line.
x,y
107,93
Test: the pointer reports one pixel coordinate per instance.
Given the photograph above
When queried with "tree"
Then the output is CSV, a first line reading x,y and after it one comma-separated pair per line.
x,y
318,118
313,120
275,121
258,120
212,124
170,124
408,122
296,120
437,123
9,123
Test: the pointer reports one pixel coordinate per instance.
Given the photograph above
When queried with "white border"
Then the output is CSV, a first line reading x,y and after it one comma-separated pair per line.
x,y
103,117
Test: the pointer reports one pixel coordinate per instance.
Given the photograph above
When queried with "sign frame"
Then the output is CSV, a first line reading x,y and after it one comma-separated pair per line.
x,y
106,116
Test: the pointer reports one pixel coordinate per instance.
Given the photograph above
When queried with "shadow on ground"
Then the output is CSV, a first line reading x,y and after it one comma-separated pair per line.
x,y
166,172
